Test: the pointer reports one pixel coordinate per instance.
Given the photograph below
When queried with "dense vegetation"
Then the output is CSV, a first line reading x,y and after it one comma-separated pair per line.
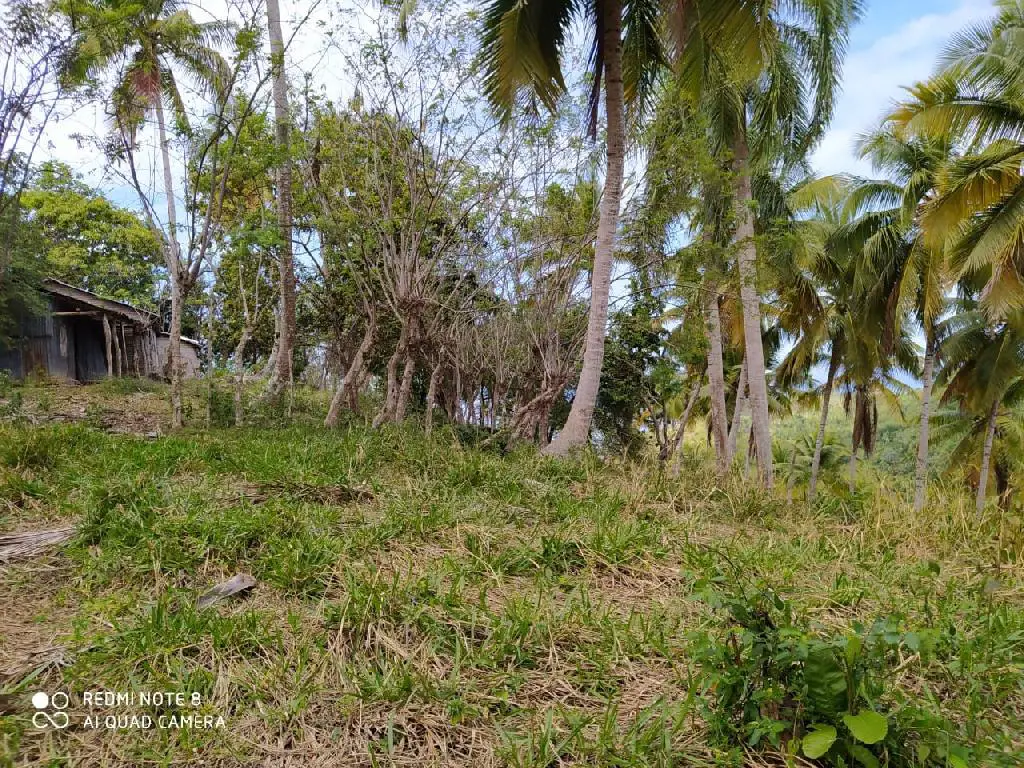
x,y
406,303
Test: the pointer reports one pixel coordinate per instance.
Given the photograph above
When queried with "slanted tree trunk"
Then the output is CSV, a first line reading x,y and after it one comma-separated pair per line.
x,y
282,375
716,381
577,428
819,442
435,376
921,473
676,452
757,385
350,381
986,456
174,273
737,411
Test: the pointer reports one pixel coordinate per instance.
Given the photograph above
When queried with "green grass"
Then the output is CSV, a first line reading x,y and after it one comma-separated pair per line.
x,y
476,609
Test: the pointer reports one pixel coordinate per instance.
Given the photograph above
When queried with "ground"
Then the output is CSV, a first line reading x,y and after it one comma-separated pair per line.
x,y
420,601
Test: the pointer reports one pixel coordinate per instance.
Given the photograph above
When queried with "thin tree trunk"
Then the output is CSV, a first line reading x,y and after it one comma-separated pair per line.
x,y
174,272
737,411
109,345
819,442
351,379
435,375
757,385
117,351
544,426
676,452
577,428
282,376
240,372
986,456
921,473
391,396
716,381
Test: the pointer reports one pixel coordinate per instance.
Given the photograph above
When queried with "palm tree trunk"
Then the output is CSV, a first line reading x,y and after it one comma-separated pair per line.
x,y
716,381
819,442
282,376
986,456
757,386
577,428
174,272
676,452
737,411
921,475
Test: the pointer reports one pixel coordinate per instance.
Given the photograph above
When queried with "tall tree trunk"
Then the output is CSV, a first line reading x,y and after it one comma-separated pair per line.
x,y
716,381
172,258
350,381
819,442
387,410
921,473
282,376
577,428
737,411
757,385
986,456
435,375
676,452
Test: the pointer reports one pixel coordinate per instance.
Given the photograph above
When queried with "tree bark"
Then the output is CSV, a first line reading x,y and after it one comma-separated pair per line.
x,y
737,411
819,442
406,388
757,385
986,456
391,396
350,381
921,474
174,273
282,376
716,381
240,373
576,431
109,345
435,375
675,452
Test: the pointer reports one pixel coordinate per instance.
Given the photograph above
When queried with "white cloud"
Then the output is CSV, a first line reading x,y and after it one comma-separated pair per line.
x,y
874,78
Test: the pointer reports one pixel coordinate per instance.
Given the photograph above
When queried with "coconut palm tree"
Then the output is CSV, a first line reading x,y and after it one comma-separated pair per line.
x,y
976,100
897,267
984,373
144,44
763,110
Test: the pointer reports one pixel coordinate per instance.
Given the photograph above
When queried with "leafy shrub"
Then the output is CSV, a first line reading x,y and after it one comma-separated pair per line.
x,y
772,680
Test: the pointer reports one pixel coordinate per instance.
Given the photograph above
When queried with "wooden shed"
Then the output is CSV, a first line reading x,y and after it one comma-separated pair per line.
x,y
85,337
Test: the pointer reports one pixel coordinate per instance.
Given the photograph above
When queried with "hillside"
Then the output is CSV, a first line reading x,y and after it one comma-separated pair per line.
x,y
419,601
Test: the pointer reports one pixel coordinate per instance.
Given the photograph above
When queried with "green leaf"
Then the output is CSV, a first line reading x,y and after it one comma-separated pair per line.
x,y
955,761
923,751
867,726
863,756
819,740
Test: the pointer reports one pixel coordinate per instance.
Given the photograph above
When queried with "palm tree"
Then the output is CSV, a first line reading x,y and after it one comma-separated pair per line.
x,y
897,266
984,372
976,100
144,43
763,110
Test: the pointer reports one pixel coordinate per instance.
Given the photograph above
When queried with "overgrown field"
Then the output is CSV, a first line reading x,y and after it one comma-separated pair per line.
x,y
424,602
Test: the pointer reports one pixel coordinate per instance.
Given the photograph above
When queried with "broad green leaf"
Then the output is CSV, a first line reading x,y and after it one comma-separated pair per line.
x,y
819,740
923,751
863,756
867,726
955,761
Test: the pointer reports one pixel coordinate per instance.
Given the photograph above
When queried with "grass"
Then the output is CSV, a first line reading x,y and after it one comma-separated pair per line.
x,y
421,602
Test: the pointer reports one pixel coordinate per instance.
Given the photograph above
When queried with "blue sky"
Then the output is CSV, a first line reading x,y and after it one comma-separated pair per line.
x,y
896,43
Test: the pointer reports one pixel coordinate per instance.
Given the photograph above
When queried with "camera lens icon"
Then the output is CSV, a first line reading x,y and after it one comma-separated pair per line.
x,y
42,702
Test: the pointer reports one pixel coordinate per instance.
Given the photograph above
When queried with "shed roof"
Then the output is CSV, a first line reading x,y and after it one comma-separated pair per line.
x,y
82,296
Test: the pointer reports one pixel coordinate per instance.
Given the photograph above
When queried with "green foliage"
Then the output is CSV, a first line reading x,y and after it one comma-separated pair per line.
x,y
91,243
775,679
